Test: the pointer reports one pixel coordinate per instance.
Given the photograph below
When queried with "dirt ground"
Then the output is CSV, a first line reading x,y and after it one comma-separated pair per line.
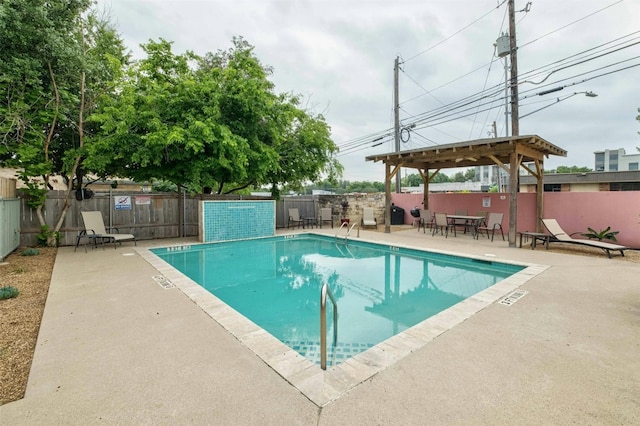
x,y
20,317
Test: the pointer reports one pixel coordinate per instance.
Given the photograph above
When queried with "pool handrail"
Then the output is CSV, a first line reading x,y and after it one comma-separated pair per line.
x,y
345,225
324,292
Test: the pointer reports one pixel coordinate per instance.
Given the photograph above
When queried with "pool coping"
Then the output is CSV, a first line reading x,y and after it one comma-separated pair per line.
x,y
323,386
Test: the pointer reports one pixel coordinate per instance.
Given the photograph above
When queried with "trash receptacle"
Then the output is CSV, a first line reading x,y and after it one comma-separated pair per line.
x,y
397,215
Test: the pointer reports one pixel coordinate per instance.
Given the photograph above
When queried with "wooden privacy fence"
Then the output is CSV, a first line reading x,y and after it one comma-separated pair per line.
x,y
162,215
146,215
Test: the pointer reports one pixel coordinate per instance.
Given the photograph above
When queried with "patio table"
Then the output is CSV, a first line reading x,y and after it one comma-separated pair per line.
x,y
535,236
473,221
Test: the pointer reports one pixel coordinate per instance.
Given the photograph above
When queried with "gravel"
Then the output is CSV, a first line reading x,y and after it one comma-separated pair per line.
x,y
20,317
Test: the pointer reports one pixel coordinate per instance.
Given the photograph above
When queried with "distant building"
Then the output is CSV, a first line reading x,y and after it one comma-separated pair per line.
x,y
616,160
448,187
584,182
492,175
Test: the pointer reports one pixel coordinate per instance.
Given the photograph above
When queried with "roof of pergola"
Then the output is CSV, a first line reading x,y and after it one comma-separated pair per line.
x,y
477,152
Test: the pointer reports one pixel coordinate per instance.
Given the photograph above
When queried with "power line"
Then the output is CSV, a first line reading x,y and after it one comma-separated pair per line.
x,y
569,24
457,109
489,64
456,33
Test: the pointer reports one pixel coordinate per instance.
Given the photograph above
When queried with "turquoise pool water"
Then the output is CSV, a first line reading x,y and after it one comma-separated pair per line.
x,y
380,290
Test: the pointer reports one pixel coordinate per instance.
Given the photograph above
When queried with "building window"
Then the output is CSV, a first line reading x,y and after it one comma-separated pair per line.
x,y
633,166
624,186
599,161
552,187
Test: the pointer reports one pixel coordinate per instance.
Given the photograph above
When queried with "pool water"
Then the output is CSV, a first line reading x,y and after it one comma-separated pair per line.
x,y
380,290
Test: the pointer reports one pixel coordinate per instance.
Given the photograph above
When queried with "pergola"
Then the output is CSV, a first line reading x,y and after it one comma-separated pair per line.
x,y
509,153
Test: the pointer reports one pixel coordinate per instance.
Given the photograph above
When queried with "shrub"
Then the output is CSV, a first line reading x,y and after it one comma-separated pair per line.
x,y
46,233
30,252
605,234
8,292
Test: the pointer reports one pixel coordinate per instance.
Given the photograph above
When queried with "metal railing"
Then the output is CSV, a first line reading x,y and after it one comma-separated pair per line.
x,y
345,225
324,292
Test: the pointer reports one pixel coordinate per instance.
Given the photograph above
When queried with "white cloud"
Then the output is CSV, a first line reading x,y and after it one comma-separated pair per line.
x,y
339,55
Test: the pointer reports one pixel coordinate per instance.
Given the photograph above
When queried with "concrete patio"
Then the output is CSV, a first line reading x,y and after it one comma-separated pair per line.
x,y
117,348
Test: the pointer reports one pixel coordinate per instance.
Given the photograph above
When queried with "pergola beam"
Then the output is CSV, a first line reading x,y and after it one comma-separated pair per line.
x,y
511,150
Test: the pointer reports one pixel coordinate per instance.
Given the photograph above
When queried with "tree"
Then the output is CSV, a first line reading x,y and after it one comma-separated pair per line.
x,y
569,169
469,175
440,178
458,177
413,179
209,122
55,55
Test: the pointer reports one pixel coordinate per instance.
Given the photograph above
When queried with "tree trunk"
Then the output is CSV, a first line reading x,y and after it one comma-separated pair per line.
x,y
76,164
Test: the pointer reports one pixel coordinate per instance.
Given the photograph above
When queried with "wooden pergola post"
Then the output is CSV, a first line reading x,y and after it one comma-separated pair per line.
x,y
387,198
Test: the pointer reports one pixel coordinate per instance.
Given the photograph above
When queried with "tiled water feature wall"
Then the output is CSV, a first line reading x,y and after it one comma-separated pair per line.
x,y
236,220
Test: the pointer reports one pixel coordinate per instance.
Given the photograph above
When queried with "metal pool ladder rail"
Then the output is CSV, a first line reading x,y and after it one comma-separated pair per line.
x,y
324,292
345,225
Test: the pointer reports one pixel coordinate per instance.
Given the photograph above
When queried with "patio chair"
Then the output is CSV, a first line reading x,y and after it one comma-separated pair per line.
x,y
483,221
294,218
94,228
325,216
426,220
442,223
461,222
368,218
494,223
558,235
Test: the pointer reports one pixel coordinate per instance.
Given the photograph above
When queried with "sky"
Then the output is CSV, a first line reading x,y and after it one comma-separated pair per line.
x,y
339,56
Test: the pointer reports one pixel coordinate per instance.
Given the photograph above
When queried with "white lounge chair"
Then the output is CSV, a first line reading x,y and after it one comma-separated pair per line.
x,y
558,235
94,227
368,217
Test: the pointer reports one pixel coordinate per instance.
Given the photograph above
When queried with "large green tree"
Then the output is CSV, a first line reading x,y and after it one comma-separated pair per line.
x,y
209,121
56,55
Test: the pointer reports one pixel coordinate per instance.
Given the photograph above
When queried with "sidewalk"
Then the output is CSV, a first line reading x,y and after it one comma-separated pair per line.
x,y
115,347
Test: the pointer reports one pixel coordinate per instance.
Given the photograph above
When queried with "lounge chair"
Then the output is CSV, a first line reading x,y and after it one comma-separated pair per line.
x,y
442,223
325,216
94,227
368,218
494,223
294,218
558,235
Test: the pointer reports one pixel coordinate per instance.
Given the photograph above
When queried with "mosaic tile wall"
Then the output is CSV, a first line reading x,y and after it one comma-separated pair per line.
x,y
236,220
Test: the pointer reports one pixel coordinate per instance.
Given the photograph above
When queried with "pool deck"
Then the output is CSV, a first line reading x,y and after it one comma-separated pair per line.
x,y
116,347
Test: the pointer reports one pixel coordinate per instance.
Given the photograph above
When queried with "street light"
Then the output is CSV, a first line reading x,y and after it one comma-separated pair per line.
x,y
587,93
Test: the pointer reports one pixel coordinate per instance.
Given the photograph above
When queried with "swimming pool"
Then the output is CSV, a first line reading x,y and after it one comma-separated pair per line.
x,y
381,290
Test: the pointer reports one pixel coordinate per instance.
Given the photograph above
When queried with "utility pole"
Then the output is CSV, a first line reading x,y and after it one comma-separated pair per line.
x,y
513,49
396,118
515,127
